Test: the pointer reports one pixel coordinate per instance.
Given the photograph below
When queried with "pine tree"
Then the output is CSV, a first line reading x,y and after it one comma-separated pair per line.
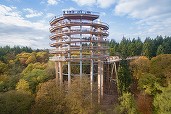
x,y
160,50
124,76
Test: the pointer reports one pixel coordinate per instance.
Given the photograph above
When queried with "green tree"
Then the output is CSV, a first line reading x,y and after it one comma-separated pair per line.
x,y
138,47
148,83
3,68
135,47
147,48
22,85
162,101
35,77
127,104
160,50
124,76
123,47
167,45
113,47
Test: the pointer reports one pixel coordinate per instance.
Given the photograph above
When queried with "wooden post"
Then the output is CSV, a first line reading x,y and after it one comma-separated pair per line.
x,y
56,69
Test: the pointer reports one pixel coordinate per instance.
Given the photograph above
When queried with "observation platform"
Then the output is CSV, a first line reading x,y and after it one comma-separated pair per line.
x,y
75,14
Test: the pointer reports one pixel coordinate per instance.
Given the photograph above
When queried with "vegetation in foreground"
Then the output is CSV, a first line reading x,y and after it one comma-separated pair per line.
x,y
27,82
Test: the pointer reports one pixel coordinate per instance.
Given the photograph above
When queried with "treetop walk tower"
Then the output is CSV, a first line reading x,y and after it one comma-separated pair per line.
x,y
80,37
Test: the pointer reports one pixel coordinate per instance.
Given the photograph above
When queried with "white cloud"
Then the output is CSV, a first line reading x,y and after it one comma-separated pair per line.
x,y
100,3
16,30
151,17
142,8
50,15
85,2
102,14
105,3
52,2
10,16
32,13
69,9
9,11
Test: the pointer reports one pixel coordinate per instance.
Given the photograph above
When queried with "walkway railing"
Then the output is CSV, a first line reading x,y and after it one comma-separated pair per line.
x,y
117,58
57,58
83,24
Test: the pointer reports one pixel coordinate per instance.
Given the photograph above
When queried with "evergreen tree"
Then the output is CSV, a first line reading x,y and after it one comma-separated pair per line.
x,y
123,48
167,45
147,48
113,47
124,76
160,50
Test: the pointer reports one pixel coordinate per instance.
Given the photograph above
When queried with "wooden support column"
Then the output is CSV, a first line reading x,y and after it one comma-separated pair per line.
x,y
116,75
81,62
99,81
69,74
91,75
102,77
108,87
92,66
91,81
69,63
60,73
56,70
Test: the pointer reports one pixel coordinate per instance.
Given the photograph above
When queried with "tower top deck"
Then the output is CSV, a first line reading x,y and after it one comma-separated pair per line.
x,y
79,12
75,14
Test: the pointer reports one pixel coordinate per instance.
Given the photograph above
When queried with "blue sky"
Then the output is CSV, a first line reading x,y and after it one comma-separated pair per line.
x,y
26,22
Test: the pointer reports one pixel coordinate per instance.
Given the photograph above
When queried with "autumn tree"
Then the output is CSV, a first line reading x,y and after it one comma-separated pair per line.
x,y
161,63
140,66
15,102
42,56
22,85
78,99
3,68
35,77
31,58
50,99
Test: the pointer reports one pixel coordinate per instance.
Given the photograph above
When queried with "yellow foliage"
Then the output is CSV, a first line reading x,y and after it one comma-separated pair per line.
x,y
22,85
140,66
31,59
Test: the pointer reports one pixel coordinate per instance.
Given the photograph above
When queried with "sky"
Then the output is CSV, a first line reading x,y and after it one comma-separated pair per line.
x,y
26,22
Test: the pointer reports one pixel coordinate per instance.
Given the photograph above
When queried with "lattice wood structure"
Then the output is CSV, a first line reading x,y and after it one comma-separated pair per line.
x,y
79,36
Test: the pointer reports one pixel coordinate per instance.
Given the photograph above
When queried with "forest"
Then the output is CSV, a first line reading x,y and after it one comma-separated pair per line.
x,y
27,81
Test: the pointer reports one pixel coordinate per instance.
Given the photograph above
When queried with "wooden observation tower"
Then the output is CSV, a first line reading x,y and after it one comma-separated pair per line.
x,y
79,36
